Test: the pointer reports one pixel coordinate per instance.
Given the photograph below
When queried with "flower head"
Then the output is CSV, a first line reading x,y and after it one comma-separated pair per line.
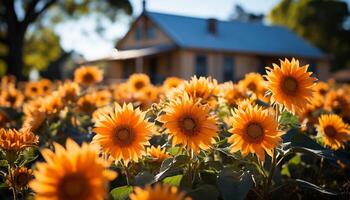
x,y
88,75
158,192
291,85
254,130
72,173
333,130
189,123
123,132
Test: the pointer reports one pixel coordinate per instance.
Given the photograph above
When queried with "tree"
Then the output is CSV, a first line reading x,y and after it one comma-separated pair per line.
x,y
238,13
18,16
322,22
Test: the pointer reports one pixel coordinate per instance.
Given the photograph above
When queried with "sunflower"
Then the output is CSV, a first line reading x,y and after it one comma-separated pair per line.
x,y
100,111
157,153
333,130
253,82
189,123
171,82
254,130
88,75
103,97
87,104
123,132
4,119
338,101
158,192
137,82
231,93
8,81
290,85
35,120
53,103
19,178
122,93
321,88
31,89
14,140
69,92
204,89
45,86
11,97
72,173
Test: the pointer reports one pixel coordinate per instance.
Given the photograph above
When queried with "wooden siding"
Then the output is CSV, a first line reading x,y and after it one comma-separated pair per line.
x,y
130,42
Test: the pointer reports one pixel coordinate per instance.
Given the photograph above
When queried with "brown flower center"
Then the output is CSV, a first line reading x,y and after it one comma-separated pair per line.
x,y
330,131
290,85
251,86
34,89
123,136
188,125
139,85
11,99
73,186
88,78
22,179
255,132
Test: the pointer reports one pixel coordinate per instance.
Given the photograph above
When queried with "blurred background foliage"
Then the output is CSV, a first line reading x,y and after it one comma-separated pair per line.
x,y
27,39
324,23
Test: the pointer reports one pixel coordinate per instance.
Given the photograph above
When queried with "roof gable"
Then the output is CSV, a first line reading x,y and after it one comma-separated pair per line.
x,y
190,32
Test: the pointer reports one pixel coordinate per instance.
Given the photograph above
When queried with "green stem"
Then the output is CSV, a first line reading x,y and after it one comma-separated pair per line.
x,y
14,191
271,172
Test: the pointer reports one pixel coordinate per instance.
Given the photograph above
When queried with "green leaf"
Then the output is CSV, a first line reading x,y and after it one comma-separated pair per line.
x,y
3,163
303,144
173,180
174,151
288,120
207,192
143,178
234,185
171,166
121,193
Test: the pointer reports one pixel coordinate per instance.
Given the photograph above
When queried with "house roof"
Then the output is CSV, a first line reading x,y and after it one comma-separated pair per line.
x,y
248,37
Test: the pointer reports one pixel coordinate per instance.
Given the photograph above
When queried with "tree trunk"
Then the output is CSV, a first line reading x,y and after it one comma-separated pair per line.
x,y
14,58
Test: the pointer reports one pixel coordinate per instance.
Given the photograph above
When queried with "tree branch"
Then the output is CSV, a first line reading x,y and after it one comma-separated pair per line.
x,y
32,15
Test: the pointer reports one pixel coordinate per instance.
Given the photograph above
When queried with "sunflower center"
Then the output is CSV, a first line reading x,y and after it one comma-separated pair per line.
x,y
330,131
34,89
255,131
123,136
88,78
45,88
73,186
22,179
251,86
188,125
290,85
139,85
11,99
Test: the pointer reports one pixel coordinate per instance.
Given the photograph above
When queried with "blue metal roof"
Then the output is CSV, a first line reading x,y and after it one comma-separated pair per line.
x,y
190,32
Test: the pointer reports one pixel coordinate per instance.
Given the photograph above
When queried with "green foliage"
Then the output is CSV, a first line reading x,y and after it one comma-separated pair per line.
x,y
121,193
41,48
319,21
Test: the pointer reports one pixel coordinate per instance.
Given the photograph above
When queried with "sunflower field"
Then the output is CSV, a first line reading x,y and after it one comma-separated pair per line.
x,y
279,135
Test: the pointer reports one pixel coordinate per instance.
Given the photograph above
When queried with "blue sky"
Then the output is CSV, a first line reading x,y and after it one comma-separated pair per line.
x,y
81,36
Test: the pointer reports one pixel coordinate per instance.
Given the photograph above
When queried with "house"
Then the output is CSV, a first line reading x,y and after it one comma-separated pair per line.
x,y
163,45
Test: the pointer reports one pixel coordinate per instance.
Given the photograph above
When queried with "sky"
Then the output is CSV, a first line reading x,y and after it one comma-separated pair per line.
x,y
81,36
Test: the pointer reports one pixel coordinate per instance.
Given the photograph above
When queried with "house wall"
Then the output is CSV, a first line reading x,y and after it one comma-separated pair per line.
x,y
322,68
242,63
130,42
181,63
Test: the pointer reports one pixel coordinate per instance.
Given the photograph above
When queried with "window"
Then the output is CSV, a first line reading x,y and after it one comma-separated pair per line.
x,y
228,68
151,32
201,67
138,33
